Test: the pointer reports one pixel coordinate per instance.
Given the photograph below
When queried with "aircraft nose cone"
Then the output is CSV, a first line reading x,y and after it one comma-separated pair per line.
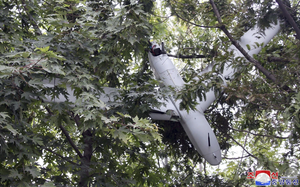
x,y
202,136
213,158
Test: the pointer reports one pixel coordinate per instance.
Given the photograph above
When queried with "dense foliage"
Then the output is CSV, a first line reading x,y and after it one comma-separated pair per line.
x,y
94,44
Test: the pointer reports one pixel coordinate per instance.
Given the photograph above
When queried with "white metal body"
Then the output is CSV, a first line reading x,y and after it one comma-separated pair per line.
x,y
107,96
250,38
194,122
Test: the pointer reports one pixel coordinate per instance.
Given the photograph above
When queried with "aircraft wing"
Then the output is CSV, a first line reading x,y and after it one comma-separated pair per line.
x,y
167,111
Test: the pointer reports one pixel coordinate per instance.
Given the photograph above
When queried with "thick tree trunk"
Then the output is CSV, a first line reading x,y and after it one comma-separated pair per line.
x,y
87,155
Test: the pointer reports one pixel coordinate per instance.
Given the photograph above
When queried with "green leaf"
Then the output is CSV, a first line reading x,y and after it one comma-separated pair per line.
x,y
248,47
131,40
89,116
14,173
48,184
120,134
37,140
143,137
3,116
43,49
11,129
33,171
6,71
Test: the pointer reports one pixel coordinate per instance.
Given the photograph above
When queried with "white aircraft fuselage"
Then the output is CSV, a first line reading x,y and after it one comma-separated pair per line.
x,y
194,122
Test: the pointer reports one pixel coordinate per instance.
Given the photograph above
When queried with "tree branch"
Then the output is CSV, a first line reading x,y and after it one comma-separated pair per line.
x,y
215,9
32,20
235,158
277,59
186,56
60,156
76,118
242,147
289,18
87,155
87,152
243,151
267,73
264,135
70,140
202,26
65,132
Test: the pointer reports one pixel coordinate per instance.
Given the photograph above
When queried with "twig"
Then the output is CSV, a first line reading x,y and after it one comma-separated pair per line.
x,y
242,147
215,104
60,156
260,134
204,168
187,56
164,19
202,26
235,158
242,155
189,173
277,59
